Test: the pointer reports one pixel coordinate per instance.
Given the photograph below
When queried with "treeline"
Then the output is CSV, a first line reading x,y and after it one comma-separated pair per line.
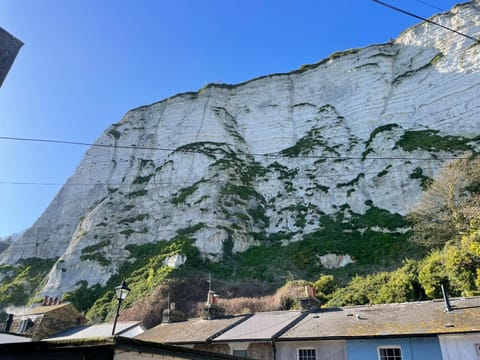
x,y
447,219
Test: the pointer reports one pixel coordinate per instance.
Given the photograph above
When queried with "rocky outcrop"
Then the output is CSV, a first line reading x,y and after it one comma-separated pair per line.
x,y
233,165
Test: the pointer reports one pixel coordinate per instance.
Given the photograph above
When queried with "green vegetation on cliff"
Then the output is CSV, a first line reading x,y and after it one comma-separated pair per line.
x,y
430,140
20,281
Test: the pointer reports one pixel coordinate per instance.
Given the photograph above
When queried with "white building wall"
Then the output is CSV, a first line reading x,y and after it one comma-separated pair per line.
x,y
325,349
460,347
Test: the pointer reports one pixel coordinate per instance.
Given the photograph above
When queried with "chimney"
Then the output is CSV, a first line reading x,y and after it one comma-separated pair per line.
x,y
9,322
211,309
45,301
310,301
448,306
171,315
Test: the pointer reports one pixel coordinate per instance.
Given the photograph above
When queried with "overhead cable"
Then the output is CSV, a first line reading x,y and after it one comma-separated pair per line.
x,y
267,155
426,20
431,5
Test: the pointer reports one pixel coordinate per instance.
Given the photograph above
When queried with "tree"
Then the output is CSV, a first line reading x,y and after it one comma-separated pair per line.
x,y
449,204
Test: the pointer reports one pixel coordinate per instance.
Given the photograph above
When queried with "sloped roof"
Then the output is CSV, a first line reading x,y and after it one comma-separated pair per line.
x,y
95,331
7,338
46,320
260,326
412,319
189,331
47,309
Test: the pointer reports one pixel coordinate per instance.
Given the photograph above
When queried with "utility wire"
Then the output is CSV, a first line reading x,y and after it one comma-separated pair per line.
x,y
152,185
439,8
425,19
430,5
267,155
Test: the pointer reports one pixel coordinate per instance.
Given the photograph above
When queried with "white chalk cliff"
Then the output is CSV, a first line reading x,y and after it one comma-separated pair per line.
x,y
235,163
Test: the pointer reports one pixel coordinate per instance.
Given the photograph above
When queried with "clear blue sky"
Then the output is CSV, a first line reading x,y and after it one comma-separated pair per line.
x,y
85,63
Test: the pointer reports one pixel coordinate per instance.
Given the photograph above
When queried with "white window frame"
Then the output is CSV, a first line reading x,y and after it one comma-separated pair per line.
x,y
385,347
306,348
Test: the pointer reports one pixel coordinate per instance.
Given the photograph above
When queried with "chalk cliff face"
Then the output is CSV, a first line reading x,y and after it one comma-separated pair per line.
x,y
233,164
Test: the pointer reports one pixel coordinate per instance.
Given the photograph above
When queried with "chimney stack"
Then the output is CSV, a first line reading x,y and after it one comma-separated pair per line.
x,y
310,301
9,322
212,310
171,315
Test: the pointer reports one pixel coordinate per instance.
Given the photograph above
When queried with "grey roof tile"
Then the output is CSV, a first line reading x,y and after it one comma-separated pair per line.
x,y
189,331
94,331
415,318
260,326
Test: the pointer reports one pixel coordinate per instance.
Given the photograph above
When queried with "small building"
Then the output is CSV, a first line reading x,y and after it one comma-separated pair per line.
x,y
255,337
44,321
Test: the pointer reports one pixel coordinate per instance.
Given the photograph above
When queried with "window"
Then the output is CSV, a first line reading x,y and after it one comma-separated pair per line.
x,y
390,353
240,353
22,327
307,354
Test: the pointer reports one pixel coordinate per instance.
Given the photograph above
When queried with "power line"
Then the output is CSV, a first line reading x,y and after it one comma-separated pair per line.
x,y
430,5
438,8
152,185
425,19
267,155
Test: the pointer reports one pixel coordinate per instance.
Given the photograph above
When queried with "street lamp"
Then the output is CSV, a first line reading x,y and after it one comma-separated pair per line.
x,y
121,293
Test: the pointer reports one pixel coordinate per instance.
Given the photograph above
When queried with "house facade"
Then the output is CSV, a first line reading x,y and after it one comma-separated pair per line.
x,y
408,331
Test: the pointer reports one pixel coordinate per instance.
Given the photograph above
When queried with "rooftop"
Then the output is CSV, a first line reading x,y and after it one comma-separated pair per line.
x,y
95,331
413,319
260,326
189,331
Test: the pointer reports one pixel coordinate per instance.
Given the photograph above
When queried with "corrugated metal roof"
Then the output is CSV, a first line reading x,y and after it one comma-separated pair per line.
x,y
260,326
189,331
94,331
416,318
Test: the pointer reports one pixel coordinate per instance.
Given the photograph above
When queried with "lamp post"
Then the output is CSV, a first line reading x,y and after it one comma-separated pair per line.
x,y
121,293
